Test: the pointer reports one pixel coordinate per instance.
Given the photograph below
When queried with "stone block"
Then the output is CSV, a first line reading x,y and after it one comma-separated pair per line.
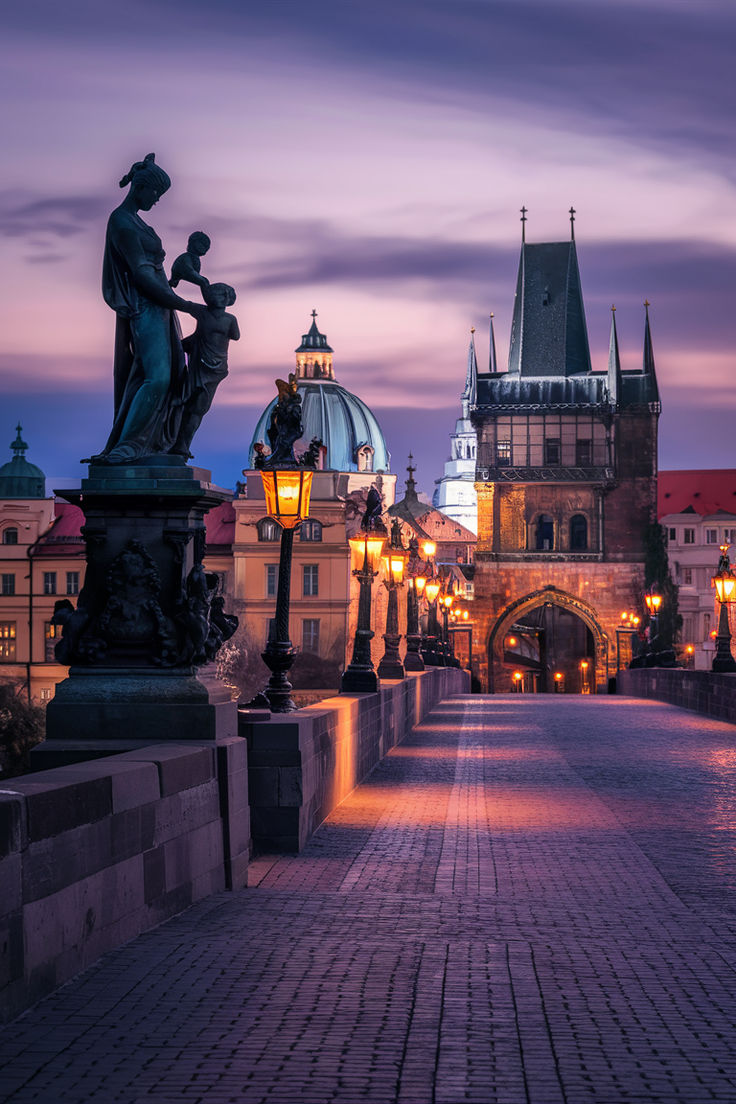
x,y
13,834
179,767
154,874
263,786
181,812
276,829
191,855
290,786
132,783
11,945
57,801
11,881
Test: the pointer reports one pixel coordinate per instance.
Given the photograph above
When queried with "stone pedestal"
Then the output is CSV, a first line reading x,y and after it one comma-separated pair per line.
x,y
148,616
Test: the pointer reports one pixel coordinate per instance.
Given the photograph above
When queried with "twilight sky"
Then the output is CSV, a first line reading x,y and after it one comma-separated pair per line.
x,y
369,160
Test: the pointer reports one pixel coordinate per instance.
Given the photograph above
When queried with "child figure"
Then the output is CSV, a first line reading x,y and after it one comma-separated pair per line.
x,y
206,351
187,265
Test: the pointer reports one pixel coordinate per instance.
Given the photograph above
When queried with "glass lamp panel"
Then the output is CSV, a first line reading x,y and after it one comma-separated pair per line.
x,y
420,582
431,590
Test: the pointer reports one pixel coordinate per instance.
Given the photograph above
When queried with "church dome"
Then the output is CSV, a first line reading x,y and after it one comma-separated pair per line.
x,y
19,478
339,419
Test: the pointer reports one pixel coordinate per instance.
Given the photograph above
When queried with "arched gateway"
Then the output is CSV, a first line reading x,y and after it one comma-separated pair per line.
x,y
545,634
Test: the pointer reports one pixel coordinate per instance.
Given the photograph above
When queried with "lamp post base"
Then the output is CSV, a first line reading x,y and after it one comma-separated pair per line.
x,y
413,660
278,657
359,680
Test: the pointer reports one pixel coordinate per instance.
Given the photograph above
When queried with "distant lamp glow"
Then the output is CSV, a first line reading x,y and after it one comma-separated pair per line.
x,y
512,642
429,548
558,676
432,589
420,582
448,600
689,649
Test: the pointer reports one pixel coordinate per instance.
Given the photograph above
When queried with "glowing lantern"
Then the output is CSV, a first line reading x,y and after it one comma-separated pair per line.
x,y
287,492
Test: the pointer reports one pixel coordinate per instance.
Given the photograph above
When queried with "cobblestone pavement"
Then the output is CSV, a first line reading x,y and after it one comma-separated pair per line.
x,y
530,901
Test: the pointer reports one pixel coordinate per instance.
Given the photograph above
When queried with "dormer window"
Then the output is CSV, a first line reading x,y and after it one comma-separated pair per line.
x,y
365,458
268,530
10,536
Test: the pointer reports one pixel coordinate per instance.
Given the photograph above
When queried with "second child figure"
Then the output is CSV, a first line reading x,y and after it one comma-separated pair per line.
x,y
206,351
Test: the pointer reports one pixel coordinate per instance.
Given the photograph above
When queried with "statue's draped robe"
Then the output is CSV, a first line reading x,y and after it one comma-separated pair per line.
x,y
147,344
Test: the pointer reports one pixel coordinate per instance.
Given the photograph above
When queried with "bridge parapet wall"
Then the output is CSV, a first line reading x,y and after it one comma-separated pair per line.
x,y
302,765
706,692
94,853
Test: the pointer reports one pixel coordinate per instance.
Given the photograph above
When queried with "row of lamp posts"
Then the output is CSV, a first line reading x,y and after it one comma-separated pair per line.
x,y
287,493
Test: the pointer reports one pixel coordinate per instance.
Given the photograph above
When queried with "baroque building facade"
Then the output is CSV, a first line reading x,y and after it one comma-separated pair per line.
x,y
566,479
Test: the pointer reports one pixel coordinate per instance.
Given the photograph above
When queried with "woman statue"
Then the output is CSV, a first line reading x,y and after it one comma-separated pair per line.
x,y
149,362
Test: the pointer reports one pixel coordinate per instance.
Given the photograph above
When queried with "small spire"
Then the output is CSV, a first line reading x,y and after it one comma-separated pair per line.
x,y
314,315
614,363
648,365
410,483
19,446
523,224
492,363
572,224
469,395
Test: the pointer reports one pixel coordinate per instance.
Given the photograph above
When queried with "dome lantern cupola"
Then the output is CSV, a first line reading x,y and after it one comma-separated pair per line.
x,y
314,355
19,478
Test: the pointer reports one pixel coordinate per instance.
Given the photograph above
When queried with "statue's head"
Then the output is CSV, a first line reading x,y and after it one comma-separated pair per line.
x,y
147,180
218,295
198,243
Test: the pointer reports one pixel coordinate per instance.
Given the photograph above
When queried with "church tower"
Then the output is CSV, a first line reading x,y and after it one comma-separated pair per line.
x,y
566,483
455,491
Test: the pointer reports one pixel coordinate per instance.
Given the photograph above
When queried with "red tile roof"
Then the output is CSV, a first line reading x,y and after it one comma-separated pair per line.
x,y
64,532
220,524
706,490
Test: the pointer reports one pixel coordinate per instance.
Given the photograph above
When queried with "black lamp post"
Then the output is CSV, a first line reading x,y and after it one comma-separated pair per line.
x,y
287,494
725,583
653,601
360,677
432,651
394,561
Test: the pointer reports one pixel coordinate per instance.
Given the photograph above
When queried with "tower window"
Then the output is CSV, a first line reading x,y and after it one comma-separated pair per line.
x,y
578,533
365,458
545,533
552,451
583,453
503,454
10,536
310,530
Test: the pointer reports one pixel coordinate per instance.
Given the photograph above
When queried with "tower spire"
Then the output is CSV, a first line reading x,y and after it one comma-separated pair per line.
x,y
523,224
572,224
411,486
648,363
614,363
19,446
492,362
469,395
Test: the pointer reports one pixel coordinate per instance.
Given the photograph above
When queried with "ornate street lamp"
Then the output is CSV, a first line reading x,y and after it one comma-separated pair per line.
x,y
431,653
653,601
725,583
584,684
394,564
359,677
287,494
413,660
446,602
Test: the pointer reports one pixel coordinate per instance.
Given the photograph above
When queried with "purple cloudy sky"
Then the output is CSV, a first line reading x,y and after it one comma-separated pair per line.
x,y
370,160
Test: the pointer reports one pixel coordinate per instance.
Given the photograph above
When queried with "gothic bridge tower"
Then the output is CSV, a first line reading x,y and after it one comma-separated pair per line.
x,y
566,480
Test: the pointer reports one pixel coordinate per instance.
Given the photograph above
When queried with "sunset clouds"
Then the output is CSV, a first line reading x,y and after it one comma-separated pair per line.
x,y
370,161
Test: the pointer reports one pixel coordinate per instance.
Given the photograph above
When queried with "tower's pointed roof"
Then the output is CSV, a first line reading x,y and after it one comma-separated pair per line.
x,y
549,336
492,361
469,395
614,362
313,339
648,363
19,478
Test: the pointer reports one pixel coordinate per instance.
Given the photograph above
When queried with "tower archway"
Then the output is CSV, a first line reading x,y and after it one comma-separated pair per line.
x,y
546,633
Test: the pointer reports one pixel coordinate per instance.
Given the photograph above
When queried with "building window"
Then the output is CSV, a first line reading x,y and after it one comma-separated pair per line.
x,y
578,533
545,534
10,536
7,641
310,635
552,451
268,530
8,585
672,535
706,626
49,582
687,576
52,633
310,530
688,536
711,536
47,693
272,576
503,454
72,582
729,536
583,453
311,580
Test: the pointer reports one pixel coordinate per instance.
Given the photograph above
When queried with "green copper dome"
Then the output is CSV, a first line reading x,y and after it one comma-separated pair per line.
x,y
19,478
